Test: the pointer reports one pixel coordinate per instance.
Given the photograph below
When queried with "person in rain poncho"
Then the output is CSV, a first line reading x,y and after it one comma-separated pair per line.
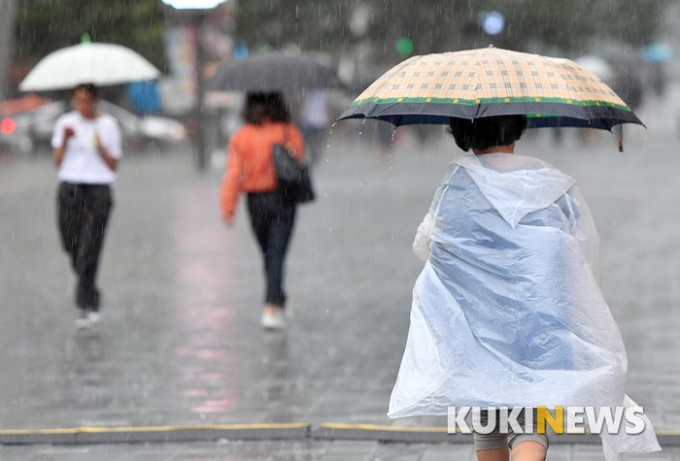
x,y
507,311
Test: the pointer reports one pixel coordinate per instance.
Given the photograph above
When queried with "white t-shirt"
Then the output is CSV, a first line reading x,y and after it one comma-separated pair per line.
x,y
82,162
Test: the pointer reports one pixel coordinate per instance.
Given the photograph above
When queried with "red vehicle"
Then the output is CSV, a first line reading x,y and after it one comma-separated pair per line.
x,y
15,120
28,128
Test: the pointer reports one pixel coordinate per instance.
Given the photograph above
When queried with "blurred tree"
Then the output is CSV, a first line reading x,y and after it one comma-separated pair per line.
x,y
312,25
43,26
440,25
571,26
8,9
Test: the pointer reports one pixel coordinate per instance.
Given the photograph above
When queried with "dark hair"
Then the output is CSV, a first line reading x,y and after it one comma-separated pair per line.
x,y
90,88
261,106
482,133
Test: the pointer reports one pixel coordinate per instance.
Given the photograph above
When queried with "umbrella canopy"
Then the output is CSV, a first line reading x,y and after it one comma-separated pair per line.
x,y
97,63
275,71
489,82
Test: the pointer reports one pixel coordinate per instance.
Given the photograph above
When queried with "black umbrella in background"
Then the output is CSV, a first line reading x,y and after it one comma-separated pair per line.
x,y
275,72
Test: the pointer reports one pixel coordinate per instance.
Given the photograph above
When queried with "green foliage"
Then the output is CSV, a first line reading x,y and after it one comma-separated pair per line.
x,y
312,24
440,25
43,26
571,25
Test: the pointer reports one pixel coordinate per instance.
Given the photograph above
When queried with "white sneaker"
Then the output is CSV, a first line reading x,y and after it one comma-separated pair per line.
x,y
93,318
87,319
273,319
82,321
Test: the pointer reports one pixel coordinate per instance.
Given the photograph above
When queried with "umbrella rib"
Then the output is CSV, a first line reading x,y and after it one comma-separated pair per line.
x,y
476,94
468,81
556,75
395,87
506,80
440,82
414,76
424,87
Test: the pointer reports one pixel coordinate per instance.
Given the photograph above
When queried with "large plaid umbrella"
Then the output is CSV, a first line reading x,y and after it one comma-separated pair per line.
x,y
487,82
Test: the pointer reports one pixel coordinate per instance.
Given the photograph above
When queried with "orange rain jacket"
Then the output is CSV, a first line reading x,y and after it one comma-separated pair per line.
x,y
250,167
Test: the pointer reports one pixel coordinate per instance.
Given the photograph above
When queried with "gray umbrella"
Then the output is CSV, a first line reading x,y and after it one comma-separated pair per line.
x,y
274,71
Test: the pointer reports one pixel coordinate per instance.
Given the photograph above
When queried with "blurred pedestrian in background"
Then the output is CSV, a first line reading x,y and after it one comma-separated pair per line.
x,y
250,169
658,78
628,85
385,136
315,120
87,148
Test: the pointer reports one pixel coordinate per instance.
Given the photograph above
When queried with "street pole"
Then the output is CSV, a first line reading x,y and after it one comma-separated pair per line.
x,y
201,154
198,11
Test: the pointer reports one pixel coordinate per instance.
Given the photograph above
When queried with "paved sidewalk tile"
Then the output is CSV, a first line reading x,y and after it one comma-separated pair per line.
x,y
304,450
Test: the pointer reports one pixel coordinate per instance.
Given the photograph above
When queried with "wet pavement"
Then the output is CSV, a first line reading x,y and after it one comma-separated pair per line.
x,y
180,342
292,451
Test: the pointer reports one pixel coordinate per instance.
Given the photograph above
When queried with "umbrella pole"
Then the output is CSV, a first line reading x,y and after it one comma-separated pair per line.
x,y
201,155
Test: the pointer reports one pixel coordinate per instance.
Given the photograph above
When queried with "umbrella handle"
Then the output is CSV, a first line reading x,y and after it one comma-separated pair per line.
x,y
621,137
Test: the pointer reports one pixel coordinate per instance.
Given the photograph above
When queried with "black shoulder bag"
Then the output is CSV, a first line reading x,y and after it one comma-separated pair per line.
x,y
292,175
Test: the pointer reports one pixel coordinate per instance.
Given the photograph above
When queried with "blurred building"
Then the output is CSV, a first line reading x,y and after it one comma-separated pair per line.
x,y
213,30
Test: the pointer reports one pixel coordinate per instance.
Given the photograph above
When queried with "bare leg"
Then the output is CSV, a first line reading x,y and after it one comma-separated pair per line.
x,y
270,309
528,451
502,454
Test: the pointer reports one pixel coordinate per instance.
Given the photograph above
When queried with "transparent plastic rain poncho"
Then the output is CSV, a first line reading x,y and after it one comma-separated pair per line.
x,y
507,311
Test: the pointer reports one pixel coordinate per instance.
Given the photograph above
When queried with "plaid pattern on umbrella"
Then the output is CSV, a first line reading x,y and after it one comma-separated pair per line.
x,y
487,82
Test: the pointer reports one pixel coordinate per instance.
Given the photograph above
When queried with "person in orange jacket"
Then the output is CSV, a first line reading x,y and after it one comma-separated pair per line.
x,y
250,169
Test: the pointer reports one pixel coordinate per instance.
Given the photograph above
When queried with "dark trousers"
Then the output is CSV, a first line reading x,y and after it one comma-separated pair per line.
x,y
272,221
83,211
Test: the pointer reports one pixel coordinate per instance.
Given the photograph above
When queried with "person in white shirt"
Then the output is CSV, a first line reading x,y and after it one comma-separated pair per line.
x,y
87,149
